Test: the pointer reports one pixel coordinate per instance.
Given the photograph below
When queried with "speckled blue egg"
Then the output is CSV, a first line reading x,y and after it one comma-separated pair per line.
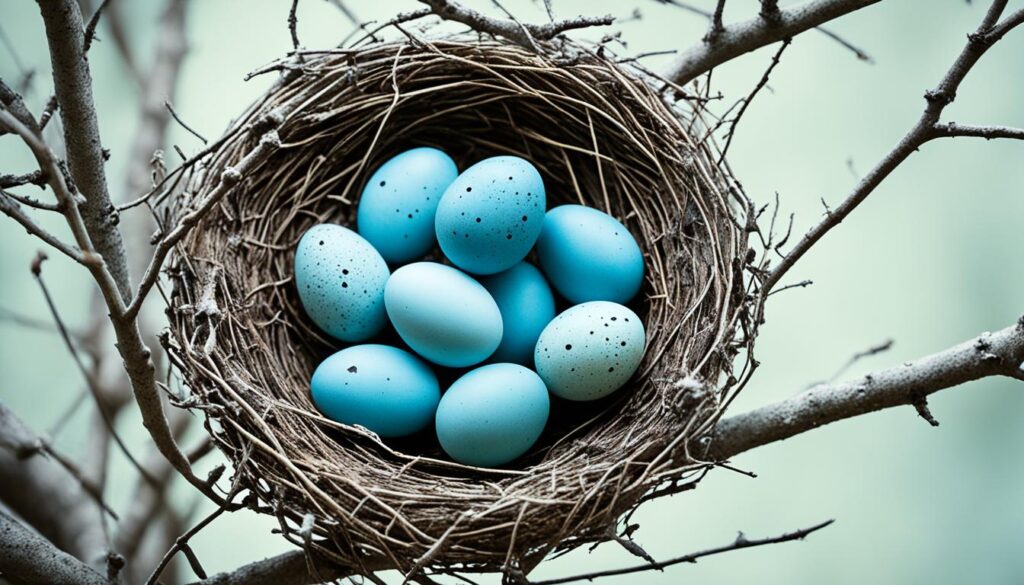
x,y
589,255
590,350
492,415
396,209
443,314
526,304
490,216
385,389
341,278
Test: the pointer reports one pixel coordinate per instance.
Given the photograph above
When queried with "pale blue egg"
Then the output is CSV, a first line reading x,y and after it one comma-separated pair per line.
x,y
340,279
396,209
589,255
385,389
590,350
443,314
492,415
490,216
526,304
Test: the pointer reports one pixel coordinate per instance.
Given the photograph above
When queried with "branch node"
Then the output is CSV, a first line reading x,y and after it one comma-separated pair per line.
x,y
115,563
921,405
230,177
215,474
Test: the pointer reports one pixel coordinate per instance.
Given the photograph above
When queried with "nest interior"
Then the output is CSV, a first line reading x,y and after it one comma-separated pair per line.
x,y
601,135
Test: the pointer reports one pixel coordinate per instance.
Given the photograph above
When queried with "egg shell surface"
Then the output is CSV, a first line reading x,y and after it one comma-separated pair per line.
x,y
526,304
589,255
590,350
492,415
340,279
443,314
490,216
385,389
397,206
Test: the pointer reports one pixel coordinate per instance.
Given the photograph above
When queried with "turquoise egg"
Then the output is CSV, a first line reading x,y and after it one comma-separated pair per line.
x,y
490,216
396,209
526,304
589,255
492,415
443,314
590,350
385,389
340,279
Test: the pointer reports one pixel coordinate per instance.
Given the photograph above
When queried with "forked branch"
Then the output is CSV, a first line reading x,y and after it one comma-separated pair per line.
x,y
523,34
734,40
989,354
926,129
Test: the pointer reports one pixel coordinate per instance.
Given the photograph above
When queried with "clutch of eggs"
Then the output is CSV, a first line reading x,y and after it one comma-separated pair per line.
x,y
491,314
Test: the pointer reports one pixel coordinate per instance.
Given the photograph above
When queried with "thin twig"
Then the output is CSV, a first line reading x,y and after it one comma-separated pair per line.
x,y
293,24
750,97
268,143
926,129
524,34
182,123
90,28
740,543
953,130
871,351
90,380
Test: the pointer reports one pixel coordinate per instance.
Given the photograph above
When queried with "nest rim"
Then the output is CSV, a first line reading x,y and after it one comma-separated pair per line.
x,y
232,349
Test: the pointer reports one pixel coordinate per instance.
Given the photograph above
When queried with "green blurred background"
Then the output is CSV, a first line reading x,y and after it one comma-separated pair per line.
x,y
931,259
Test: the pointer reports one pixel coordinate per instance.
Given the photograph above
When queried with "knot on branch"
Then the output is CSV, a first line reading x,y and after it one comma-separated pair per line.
x,y
230,177
271,139
939,97
270,121
921,405
980,39
206,313
115,563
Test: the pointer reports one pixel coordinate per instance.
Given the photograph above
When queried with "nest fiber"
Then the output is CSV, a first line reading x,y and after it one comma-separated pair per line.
x,y
603,135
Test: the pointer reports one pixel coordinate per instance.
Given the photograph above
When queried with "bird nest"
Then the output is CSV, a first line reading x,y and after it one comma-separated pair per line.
x,y
602,133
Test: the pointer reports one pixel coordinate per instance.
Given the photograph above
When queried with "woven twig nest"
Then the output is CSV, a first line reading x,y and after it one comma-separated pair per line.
x,y
602,135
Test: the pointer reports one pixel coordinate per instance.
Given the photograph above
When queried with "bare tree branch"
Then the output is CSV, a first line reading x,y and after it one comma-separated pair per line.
x,y
27,558
291,568
740,543
147,501
926,129
10,208
521,33
953,130
995,354
73,82
86,158
715,26
744,37
45,495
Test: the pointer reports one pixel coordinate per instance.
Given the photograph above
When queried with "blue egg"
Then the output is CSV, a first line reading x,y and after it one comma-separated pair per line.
x,y
340,279
526,304
396,209
589,255
389,391
443,314
490,216
590,350
492,415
